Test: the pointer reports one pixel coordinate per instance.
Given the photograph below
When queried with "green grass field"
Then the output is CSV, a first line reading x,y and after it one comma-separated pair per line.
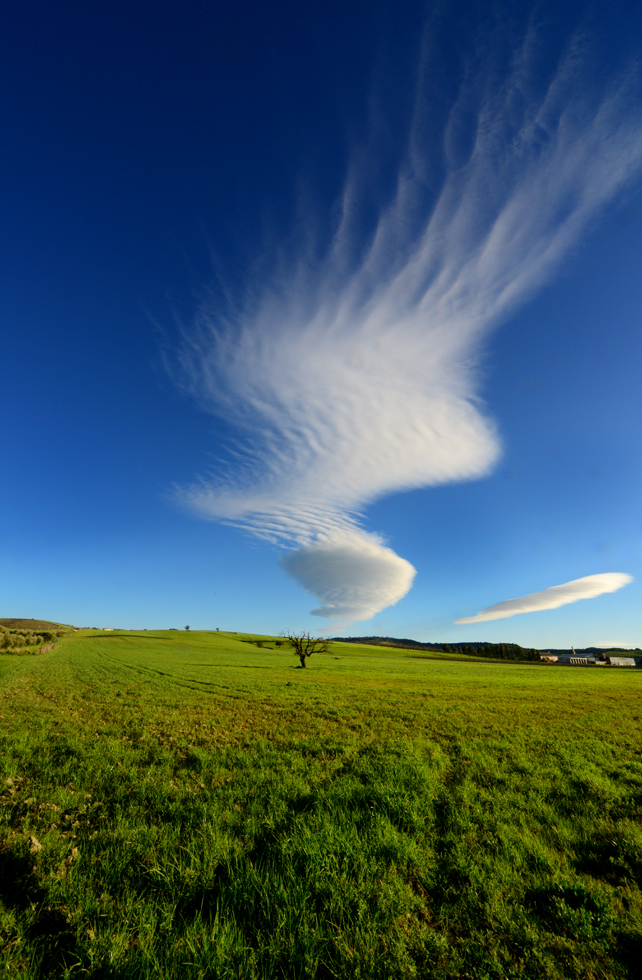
x,y
188,805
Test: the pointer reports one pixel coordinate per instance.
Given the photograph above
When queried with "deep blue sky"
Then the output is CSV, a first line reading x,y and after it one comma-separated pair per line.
x,y
145,146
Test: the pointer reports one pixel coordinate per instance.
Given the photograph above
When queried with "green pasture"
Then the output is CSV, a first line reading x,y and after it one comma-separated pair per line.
x,y
192,805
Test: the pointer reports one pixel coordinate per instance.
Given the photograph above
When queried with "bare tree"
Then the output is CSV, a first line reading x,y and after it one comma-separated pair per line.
x,y
305,645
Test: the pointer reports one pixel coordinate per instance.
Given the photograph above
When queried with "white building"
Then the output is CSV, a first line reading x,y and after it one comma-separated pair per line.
x,y
577,659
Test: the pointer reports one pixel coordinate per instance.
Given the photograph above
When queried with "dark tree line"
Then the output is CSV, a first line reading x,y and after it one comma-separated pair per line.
x,y
493,651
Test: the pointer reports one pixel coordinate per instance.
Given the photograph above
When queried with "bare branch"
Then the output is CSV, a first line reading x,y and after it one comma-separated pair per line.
x,y
305,645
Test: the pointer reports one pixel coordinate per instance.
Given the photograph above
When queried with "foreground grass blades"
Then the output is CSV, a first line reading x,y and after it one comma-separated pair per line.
x,y
196,806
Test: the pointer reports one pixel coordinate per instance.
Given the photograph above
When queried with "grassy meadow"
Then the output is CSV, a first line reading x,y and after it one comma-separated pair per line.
x,y
191,805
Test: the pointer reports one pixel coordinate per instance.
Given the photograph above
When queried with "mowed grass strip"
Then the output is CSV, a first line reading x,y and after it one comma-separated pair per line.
x,y
194,805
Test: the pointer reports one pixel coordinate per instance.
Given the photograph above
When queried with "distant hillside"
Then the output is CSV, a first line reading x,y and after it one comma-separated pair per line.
x,y
32,624
480,648
393,641
477,648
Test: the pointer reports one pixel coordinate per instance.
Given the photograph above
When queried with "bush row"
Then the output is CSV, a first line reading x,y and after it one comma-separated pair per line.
x,y
23,639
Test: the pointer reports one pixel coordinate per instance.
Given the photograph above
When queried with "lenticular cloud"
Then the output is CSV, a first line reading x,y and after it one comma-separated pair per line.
x,y
349,369
354,575
557,595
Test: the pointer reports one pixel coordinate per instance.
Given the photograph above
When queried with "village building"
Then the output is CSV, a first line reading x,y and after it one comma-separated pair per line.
x,y
574,659
577,659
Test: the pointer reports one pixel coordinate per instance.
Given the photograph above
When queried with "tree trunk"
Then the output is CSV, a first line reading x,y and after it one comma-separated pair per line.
x,y
302,659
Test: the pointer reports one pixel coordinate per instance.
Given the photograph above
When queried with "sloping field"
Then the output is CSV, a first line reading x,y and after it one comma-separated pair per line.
x,y
32,624
190,805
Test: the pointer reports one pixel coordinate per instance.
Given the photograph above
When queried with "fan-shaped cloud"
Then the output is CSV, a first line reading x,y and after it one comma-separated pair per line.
x,y
350,373
557,595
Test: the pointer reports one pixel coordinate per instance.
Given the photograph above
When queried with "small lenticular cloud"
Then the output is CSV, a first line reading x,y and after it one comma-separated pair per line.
x,y
349,370
557,595
354,576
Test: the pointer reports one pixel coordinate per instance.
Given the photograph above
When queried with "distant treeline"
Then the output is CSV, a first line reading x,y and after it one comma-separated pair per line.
x,y
388,641
493,651
26,640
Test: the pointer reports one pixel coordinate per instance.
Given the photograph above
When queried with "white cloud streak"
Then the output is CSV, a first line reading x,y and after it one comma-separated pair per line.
x,y
353,375
616,645
557,595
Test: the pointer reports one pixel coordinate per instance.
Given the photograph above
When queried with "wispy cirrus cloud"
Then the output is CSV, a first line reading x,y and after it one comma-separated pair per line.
x,y
351,372
552,598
